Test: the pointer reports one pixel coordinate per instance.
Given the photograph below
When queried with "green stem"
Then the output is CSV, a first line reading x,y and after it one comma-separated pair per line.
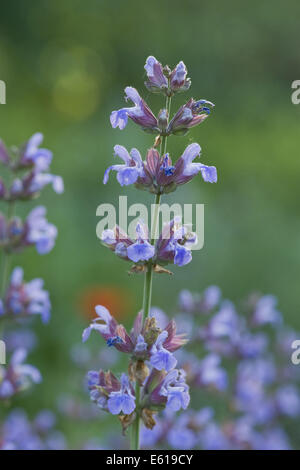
x,y
4,272
147,291
135,428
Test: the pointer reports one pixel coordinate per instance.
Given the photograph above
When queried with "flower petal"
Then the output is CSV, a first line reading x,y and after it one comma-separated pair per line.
x,y
209,173
103,313
132,94
122,153
140,251
115,403
119,118
191,152
113,168
127,175
182,256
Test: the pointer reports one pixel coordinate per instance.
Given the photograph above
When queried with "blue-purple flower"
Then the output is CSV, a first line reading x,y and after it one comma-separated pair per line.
x,y
161,176
18,433
138,251
15,235
110,330
33,155
39,232
175,243
30,170
178,80
287,400
265,311
23,300
162,80
195,303
263,388
183,433
187,168
157,174
21,338
144,341
172,391
17,376
100,385
123,400
157,79
33,184
141,250
189,115
110,394
161,358
131,170
210,374
140,113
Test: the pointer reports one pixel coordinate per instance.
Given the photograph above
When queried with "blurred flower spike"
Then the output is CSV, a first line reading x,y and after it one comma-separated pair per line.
x,y
24,300
27,172
30,167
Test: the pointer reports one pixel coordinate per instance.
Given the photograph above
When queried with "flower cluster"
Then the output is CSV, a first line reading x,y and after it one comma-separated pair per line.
x,y
244,360
157,174
18,433
23,300
172,247
162,80
158,82
29,164
16,235
17,376
152,365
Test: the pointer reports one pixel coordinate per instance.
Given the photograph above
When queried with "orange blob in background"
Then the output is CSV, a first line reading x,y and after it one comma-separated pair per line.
x,y
117,300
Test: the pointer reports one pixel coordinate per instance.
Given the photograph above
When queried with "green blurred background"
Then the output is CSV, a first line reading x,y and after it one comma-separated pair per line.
x,y
66,64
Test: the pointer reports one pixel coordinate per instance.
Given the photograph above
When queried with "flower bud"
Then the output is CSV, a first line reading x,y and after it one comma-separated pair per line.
x,y
147,417
138,371
189,115
157,141
126,421
151,330
163,120
167,71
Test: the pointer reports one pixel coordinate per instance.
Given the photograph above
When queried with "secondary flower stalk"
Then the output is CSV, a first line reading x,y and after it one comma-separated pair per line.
x,y
28,173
